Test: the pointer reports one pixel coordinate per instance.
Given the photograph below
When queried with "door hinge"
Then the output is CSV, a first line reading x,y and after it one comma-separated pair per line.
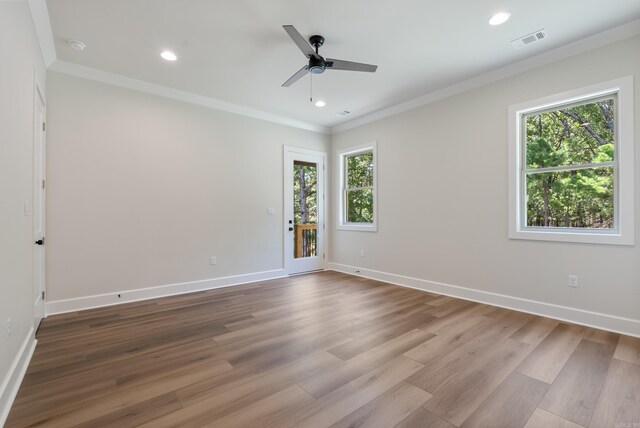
x,y
43,184
44,126
43,295
323,256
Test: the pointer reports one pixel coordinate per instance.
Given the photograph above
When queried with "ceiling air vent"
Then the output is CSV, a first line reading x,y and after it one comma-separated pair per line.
x,y
344,113
528,39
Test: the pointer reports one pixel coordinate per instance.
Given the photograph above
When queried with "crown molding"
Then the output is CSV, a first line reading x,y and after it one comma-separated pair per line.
x,y
597,40
42,25
188,97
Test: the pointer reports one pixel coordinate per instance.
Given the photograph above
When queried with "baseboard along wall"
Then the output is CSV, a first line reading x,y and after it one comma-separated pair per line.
x,y
627,326
13,379
118,297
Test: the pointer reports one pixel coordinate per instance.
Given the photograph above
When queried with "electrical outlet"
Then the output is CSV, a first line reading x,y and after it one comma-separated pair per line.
x,y
361,253
573,281
8,327
213,261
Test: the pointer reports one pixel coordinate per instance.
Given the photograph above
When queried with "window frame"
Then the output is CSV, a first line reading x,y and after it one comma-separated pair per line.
x,y
623,232
342,223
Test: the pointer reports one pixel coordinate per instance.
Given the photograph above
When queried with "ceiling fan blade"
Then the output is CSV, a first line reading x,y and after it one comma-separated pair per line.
x,y
297,38
293,79
338,64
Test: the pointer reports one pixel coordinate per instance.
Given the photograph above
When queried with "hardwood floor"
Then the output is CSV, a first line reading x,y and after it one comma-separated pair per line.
x,y
321,350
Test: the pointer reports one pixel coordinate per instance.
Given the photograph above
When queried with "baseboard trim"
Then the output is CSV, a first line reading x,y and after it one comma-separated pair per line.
x,y
126,296
628,326
13,379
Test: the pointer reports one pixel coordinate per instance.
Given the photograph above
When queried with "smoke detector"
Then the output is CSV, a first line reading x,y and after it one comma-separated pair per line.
x,y
529,38
77,45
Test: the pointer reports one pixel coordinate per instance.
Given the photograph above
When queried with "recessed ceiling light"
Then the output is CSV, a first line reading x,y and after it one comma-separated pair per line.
x,y
77,45
320,103
169,56
499,18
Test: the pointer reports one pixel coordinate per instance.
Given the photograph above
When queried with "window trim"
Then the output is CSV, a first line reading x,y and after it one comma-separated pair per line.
x,y
342,224
624,180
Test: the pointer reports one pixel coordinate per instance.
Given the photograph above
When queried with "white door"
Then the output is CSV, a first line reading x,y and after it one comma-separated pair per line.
x,y
304,229
39,165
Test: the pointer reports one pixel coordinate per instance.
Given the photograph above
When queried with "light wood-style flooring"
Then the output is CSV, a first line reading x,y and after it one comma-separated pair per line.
x,y
321,350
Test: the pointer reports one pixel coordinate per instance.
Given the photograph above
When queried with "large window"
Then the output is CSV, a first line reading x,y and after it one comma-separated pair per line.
x,y
358,188
573,166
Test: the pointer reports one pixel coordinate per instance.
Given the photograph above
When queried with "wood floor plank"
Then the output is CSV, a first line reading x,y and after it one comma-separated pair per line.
x,y
543,419
457,397
548,358
575,392
212,386
336,405
422,418
135,414
407,322
343,373
444,323
600,336
440,369
219,402
510,405
388,409
535,330
449,339
254,414
628,349
619,403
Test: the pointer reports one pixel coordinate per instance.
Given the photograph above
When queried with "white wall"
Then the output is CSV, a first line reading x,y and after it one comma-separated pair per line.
x,y
143,190
20,57
442,173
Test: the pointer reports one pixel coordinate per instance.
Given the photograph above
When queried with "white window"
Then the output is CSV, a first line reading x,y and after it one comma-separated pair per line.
x,y
358,198
571,173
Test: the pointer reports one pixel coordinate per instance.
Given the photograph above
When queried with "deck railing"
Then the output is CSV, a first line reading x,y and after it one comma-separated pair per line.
x,y
306,240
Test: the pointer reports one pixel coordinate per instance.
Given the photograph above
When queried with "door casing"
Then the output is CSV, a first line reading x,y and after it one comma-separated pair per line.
x,y
39,193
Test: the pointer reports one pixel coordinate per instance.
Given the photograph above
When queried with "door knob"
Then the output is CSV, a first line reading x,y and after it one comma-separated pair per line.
x,y
290,229
40,241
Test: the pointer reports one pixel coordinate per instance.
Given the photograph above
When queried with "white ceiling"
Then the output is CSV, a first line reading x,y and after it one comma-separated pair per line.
x,y
237,52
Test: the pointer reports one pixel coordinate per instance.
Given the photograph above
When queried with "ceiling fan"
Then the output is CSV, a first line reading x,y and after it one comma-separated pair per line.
x,y
317,64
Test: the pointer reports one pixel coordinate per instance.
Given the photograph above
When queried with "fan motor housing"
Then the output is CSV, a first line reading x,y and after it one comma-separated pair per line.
x,y
316,65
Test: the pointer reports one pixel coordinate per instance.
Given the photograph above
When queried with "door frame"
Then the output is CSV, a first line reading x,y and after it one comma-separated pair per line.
x,y
39,201
289,153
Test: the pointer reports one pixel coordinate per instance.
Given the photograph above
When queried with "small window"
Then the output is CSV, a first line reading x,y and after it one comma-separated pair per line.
x,y
573,167
358,188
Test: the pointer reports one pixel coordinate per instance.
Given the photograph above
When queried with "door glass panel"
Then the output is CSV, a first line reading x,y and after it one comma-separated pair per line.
x,y
305,209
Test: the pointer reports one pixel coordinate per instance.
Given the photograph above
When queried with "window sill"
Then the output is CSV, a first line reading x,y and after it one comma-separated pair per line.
x,y
606,238
358,227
